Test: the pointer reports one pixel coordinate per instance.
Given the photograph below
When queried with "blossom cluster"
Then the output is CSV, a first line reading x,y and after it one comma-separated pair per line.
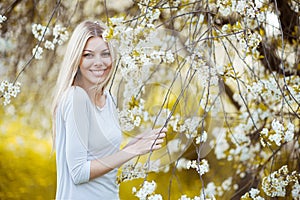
x,y
252,194
137,169
185,197
40,32
146,192
212,190
274,185
133,114
279,135
201,167
143,51
60,34
220,143
189,126
248,9
132,171
150,12
8,90
176,146
266,88
140,50
207,74
270,91
249,42
237,145
252,15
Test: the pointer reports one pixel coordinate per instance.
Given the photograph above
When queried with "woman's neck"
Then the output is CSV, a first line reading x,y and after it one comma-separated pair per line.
x,y
97,96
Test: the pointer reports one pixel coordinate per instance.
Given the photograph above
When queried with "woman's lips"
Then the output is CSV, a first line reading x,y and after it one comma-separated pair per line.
x,y
98,72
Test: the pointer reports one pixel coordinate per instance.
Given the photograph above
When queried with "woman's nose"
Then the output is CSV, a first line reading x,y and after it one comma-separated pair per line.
x,y
98,60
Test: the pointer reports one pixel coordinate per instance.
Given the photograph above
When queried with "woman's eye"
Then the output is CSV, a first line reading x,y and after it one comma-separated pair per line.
x,y
87,55
105,54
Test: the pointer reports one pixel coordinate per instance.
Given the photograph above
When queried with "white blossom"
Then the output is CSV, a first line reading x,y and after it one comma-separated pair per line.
x,y
60,34
210,189
175,145
155,197
277,138
184,197
137,121
9,90
201,167
259,3
264,132
39,31
131,117
250,12
116,20
169,57
49,45
146,190
241,6
252,194
221,144
226,185
274,184
201,138
225,10
132,171
296,190
289,134
261,17
182,163
2,19
191,124
37,52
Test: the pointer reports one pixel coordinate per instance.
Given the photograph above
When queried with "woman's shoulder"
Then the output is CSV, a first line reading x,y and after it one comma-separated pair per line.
x,y
74,97
74,94
76,90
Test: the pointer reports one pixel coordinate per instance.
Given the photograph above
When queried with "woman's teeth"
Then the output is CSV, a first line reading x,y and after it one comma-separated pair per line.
x,y
98,72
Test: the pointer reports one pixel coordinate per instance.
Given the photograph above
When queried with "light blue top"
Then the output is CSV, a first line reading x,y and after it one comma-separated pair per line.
x,y
85,132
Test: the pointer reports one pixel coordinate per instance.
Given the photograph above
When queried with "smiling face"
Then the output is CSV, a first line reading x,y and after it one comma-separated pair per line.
x,y
95,63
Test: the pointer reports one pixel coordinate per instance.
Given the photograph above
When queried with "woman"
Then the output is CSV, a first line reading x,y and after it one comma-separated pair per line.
x,y
87,135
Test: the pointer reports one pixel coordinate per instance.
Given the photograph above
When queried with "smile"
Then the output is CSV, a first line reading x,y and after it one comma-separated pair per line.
x,y
98,72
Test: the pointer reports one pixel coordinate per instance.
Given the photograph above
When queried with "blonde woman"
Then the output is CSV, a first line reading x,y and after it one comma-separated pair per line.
x,y
86,130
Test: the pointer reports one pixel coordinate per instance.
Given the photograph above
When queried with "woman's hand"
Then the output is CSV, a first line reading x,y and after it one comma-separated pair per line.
x,y
141,144
146,142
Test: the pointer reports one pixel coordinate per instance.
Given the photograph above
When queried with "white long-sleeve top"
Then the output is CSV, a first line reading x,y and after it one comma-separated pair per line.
x,y
85,132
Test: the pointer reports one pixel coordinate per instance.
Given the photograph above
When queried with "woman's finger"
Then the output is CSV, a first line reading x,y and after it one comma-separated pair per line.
x,y
159,141
162,135
160,130
155,147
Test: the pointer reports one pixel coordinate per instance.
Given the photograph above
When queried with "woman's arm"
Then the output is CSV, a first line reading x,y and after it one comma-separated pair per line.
x,y
142,144
77,123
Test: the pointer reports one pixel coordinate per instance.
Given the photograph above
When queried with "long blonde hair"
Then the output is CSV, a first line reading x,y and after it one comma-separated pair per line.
x,y
71,62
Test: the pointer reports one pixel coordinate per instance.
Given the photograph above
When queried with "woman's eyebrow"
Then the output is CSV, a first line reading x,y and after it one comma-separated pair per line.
x,y
93,51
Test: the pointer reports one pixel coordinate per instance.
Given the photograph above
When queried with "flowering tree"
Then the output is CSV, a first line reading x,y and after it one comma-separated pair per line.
x,y
221,75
